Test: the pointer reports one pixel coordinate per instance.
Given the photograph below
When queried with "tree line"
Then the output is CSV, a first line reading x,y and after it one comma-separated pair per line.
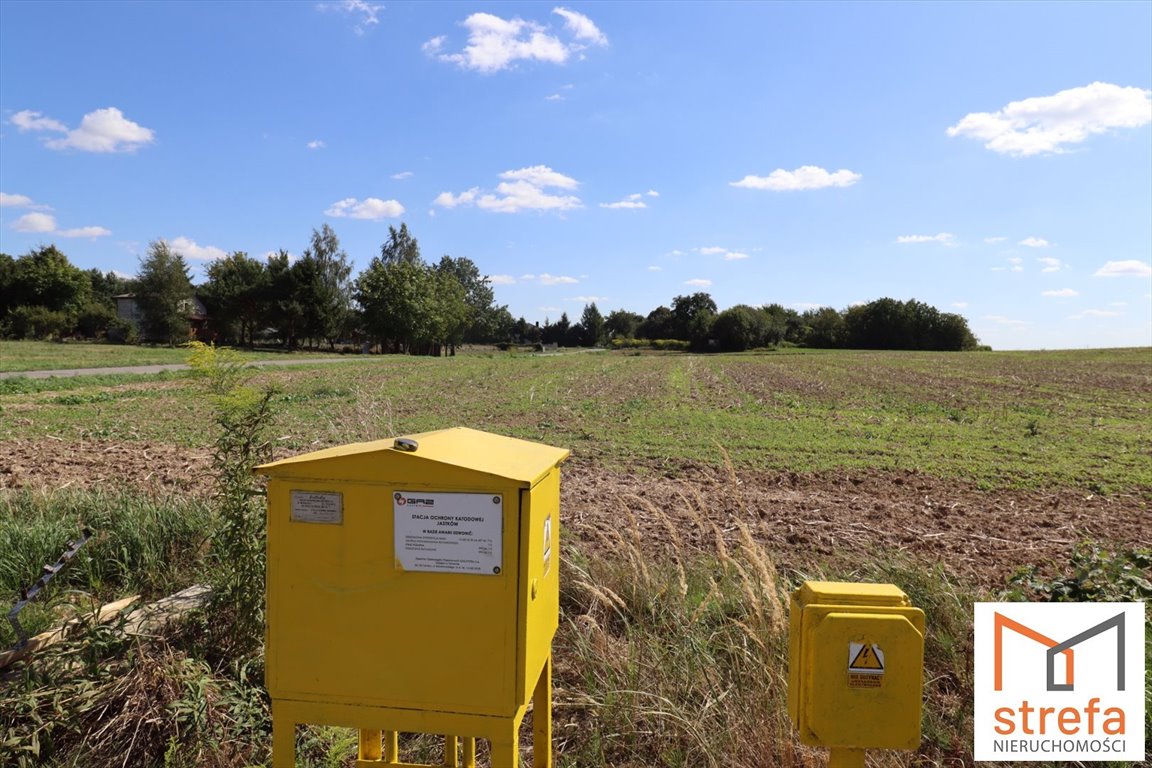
x,y
696,323
402,304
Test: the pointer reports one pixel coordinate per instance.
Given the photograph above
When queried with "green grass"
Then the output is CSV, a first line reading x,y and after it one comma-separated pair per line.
x,y
1001,420
140,545
51,356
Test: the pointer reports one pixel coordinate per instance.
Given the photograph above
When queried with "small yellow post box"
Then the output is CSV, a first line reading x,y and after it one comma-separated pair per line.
x,y
413,586
855,668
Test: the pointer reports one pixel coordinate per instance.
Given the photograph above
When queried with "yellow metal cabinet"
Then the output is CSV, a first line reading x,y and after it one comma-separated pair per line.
x,y
855,674
413,585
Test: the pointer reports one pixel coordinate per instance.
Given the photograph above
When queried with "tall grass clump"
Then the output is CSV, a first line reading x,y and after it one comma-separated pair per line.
x,y
139,544
676,660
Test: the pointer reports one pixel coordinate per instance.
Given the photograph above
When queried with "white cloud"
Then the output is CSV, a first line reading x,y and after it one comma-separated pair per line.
x,y
104,130
547,279
1094,313
804,177
1050,264
944,238
960,304
316,144
632,201
402,175
448,200
804,306
495,43
652,193
1063,293
21,201
187,247
1129,268
371,208
522,189
513,197
1034,242
1016,262
14,201
1117,303
715,250
85,232
541,176
501,280
27,120
992,240
1004,320
35,222
655,268
581,27
366,14
1047,124
554,97
698,282
587,299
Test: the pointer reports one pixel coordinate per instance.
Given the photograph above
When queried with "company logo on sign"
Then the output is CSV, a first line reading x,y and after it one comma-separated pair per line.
x,y
402,500
1059,681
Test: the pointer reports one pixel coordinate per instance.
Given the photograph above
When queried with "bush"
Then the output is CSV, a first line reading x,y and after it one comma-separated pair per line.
x,y
123,332
1097,575
94,320
666,345
36,323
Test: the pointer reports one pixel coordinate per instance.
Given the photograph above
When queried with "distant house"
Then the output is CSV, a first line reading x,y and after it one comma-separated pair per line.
x,y
129,311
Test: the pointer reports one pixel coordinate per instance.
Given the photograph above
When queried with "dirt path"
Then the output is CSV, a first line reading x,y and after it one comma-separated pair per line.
x,y
176,367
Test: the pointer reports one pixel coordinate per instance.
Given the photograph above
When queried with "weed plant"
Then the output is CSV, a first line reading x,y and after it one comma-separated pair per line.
x,y
242,414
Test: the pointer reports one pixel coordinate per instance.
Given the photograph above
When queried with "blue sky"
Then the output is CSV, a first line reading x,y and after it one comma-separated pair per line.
x,y
991,159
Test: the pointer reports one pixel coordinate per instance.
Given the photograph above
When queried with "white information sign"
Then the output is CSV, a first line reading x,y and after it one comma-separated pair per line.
x,y
312,507
449,532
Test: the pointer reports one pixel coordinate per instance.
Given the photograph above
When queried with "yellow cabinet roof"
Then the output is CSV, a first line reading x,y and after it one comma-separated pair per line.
x,y
468,449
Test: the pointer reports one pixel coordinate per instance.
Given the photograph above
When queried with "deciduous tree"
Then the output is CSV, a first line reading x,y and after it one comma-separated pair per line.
x,y
400,246
236,293
324,287
164,294
622,324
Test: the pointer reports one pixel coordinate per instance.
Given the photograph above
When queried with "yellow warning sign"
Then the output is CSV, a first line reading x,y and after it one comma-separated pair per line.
x,y
865,658
865,665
